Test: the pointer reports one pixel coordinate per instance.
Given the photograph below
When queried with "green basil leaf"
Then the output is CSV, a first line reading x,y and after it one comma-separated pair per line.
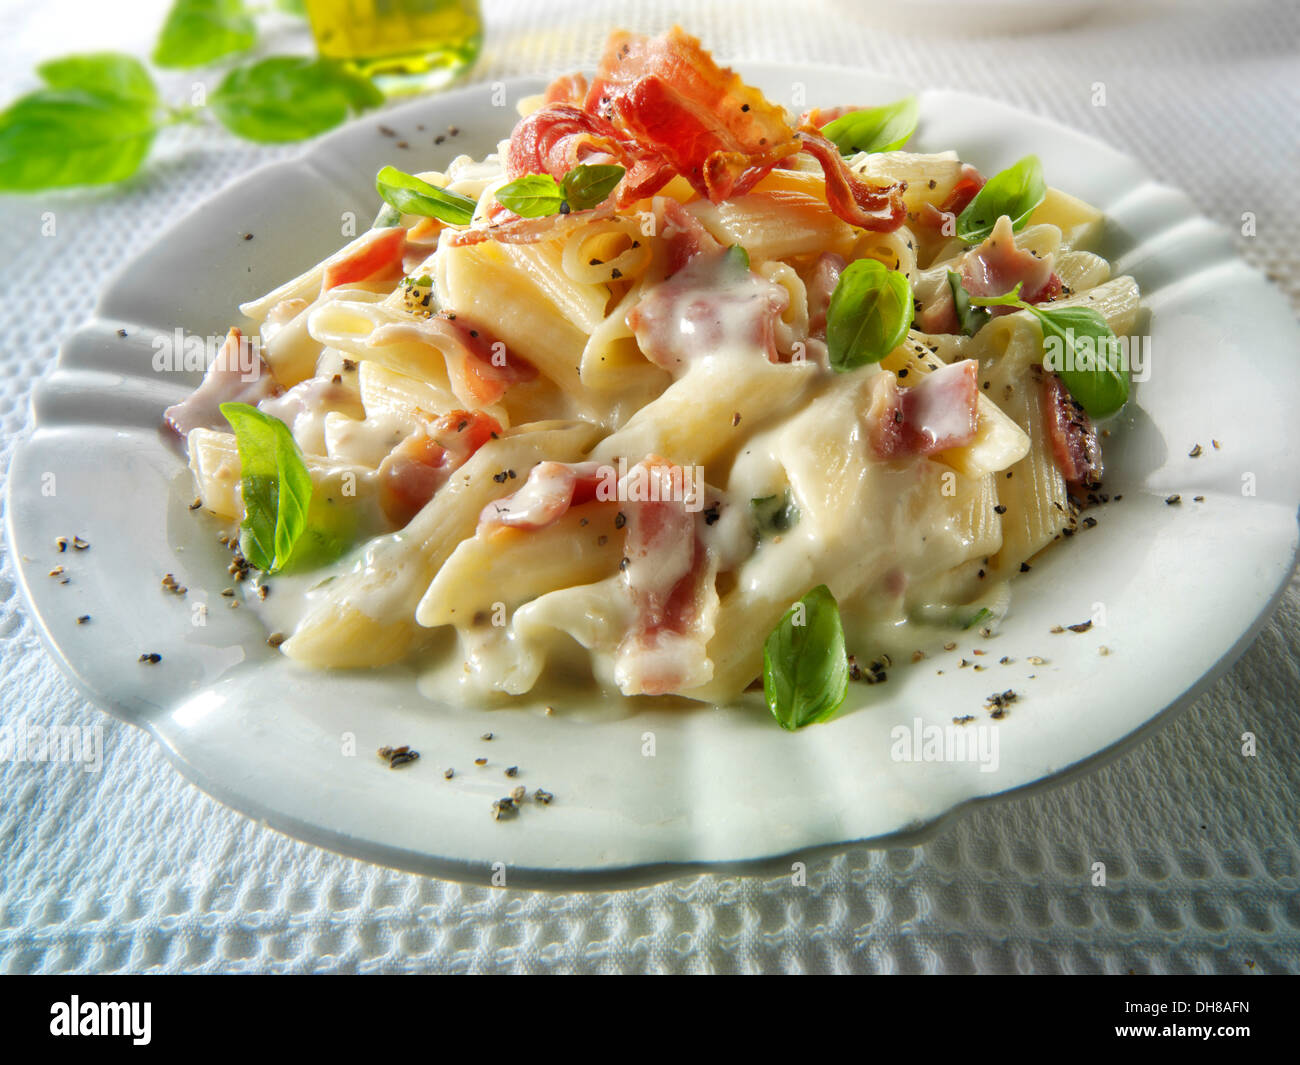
x,y
1007,299
288,98
199,31
774,514
870,312
56,138
874,129
409,195
805,667
1014,192
274,485
1094,378
585,186
532,196
108,74
980,616
972,319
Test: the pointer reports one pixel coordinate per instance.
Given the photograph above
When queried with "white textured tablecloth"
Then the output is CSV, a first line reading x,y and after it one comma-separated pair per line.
x,y
134,869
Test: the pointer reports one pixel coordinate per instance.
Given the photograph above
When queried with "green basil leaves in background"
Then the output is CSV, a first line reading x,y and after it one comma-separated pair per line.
x,y
1014,192
275,486
408,194
874,129
870,312
96,117
1096,380
538,195
805,667
92,125
288,98
198,31
108,74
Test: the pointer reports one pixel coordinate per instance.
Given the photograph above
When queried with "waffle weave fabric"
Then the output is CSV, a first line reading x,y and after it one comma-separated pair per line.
x,y
134,869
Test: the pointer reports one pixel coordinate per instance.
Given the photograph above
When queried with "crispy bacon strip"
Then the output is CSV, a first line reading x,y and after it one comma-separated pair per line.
x,y
556,138
668,96
879,208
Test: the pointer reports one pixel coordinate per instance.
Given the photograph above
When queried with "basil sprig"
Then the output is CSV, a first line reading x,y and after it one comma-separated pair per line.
x,y
287,98
92,124
275,486
1014,192
805,668
870,312
410,195
874,129
538,195
199,31
1094,376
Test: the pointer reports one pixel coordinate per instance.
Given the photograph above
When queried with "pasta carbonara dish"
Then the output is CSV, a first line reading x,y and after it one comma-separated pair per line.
x,y
676,393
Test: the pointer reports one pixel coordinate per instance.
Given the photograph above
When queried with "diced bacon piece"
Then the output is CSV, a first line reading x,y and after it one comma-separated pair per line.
x,y
969,183
376,257
567,89
462,432
943,219
709,305
670,577
670,97
879,208
998,265
884,417
413,471
410,476
939,313
821,286
683,233
993,268
1075,444
479,366
934,415
236,375
548,493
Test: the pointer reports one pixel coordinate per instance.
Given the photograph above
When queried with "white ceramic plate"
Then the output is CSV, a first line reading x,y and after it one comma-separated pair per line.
x,y
1183,587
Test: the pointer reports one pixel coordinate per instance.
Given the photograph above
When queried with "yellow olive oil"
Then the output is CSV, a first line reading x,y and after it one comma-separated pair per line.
x,y
402,45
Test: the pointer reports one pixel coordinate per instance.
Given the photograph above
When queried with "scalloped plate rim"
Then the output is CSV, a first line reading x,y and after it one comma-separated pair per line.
x,y
635,872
